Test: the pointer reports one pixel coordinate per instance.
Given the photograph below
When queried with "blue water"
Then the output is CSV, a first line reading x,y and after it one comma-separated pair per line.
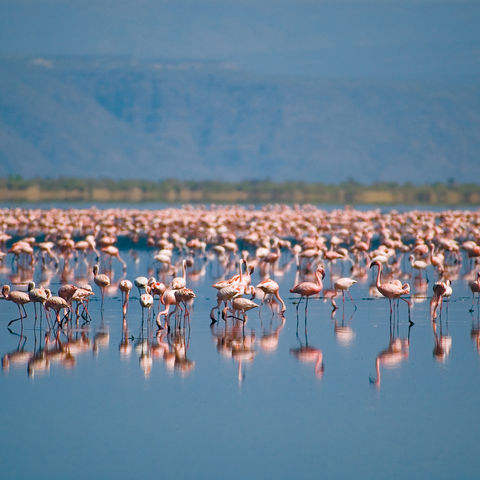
x,y
262,413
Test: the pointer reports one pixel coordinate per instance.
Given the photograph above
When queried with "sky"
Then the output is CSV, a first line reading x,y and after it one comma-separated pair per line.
x,y
392,38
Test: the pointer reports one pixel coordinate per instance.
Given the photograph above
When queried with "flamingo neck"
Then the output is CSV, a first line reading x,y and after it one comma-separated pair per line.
x,y
379,271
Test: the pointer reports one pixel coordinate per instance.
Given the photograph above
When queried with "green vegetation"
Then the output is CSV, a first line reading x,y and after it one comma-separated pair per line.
x,y
16,188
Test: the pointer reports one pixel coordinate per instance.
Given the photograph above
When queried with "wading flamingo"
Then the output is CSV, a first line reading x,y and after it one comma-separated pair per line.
x,y
392,289
307,289
270,287
343,284
19,298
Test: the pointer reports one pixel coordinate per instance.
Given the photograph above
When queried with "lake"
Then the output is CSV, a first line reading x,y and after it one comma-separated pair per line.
x,y
307,395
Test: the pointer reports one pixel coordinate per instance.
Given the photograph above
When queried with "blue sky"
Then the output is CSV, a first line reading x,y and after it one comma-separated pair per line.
x,y
390,38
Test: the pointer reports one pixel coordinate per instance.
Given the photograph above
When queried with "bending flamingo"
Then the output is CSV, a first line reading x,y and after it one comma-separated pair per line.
x,y
270,287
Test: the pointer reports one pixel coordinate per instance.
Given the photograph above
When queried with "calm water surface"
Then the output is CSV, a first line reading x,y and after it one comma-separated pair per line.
x,y
265,409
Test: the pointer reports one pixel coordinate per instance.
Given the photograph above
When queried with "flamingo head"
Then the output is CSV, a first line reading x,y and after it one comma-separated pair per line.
x,y
375,263
321,270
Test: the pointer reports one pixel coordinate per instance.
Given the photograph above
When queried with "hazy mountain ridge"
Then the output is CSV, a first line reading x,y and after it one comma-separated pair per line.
x,y
109,116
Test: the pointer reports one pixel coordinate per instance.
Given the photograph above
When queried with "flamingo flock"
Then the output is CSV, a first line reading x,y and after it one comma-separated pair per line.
x,y
248,250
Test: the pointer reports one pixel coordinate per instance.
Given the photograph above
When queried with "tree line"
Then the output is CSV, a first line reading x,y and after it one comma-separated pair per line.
x,y
16,188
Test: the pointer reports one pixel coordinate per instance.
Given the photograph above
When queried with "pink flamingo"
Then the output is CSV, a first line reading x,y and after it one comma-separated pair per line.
x,y
101,280
270,287
392,289
57,304
19,298
307,289
440,289
475,288
125,287
343,284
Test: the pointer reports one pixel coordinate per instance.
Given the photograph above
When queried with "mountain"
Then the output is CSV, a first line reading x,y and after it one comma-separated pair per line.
x,y
124,118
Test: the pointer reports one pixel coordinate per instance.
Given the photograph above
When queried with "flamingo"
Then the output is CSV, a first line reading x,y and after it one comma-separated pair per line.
x,y
36,295
82,295
168,298
243,305
183,296
125,287
475,288
141,283
19,298
392,289
56,303
271,287
307,289
156,289
146,300
440,289
438,259
224,295
101,280
419,265
342,284
112,251
180,282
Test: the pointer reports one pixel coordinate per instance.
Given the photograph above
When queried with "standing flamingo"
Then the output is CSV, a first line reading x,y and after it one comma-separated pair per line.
x,y
343,284
440,289
125,287
36,295
475,288
392,289
113,252
146,300
19,298
307,289
180,282
101,280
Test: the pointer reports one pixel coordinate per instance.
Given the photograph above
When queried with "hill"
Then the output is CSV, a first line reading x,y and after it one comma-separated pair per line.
x,y
120,118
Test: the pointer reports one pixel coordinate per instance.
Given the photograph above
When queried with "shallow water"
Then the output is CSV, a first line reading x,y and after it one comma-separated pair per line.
x,y
264,409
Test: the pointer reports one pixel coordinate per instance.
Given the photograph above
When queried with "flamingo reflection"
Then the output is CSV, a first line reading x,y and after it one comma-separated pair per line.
x,y
233,341
396,352
343,331
305,353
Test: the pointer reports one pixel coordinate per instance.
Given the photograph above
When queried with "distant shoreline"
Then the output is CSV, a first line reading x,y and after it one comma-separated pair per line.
x,y
37,190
